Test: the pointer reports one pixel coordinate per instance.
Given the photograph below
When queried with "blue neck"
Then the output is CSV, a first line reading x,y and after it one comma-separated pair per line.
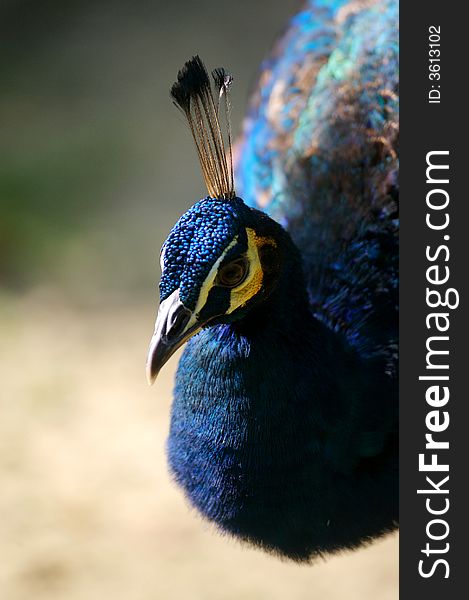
x,y
259,414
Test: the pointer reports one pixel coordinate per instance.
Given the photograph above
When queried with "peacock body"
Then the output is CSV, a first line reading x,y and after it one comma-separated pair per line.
x,y
284,420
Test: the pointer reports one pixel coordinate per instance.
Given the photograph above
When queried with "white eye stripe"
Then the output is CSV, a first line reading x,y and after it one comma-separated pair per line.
x,y
210,279
163,250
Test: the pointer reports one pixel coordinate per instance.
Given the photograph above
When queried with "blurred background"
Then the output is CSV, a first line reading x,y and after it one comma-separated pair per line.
x,y
95,166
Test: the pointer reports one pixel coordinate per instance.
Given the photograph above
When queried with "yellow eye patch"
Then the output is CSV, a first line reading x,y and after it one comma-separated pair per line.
x,y
250,286
253,282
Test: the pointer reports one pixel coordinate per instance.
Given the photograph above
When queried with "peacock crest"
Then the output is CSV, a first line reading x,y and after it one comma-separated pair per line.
x,y
201,104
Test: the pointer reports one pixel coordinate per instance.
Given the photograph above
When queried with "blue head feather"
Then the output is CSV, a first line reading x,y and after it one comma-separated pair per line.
x,y
196,242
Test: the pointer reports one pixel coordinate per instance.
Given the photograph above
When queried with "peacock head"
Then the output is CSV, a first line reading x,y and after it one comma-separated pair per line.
x,y
222,257
220,260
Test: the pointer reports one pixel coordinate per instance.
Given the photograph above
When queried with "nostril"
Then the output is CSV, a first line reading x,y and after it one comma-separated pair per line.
x,y
179,320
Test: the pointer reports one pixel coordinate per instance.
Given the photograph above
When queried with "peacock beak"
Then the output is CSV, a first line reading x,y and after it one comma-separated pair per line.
x,y
175,324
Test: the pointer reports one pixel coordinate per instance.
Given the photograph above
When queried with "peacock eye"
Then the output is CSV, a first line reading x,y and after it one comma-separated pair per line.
x,y
233,273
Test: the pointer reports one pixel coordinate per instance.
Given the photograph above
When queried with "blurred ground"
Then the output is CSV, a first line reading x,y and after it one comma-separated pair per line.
x,y
88,510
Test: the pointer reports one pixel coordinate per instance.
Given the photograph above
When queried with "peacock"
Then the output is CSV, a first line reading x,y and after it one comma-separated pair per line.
x,y
283,286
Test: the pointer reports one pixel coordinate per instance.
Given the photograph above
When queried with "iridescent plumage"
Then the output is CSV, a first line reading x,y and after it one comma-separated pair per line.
x,y
319,155
284,420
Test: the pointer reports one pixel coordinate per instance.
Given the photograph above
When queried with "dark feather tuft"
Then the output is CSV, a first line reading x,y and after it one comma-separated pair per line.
x,y
192,80
192,94
222,79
